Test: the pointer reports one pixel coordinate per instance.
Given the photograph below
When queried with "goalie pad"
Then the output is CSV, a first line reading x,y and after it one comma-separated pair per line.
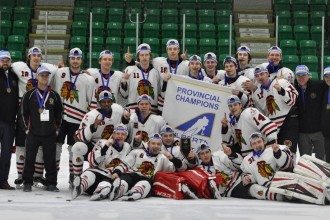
x,y
168,185
293,185
314,168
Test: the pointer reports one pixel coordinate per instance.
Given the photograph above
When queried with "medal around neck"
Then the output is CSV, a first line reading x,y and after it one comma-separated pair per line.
x,y
8,90
40,110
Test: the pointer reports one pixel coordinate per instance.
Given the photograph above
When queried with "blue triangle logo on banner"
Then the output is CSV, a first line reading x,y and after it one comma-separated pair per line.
x,y
200,125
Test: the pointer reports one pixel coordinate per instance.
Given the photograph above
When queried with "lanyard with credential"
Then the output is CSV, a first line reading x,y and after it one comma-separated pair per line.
x,y
144,78
176,66
108,80
42,99
8,89
328,105
34,83
73,85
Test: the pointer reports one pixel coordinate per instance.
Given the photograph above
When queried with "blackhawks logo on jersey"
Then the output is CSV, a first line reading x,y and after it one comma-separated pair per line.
x,y
271,105
30,84
239,138
145,136
101,89
146,168
69,92
265,170
107,132
145,87
222,178
113,163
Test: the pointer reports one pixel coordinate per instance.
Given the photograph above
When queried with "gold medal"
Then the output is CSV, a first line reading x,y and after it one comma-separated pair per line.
x,y
40,110
8,90
328,106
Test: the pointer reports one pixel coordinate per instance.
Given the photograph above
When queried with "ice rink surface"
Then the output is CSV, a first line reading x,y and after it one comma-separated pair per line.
x,y
43,205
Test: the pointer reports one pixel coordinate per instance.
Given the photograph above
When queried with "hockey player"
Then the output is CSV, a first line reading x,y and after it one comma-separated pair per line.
x,y
105,78
195,69
210,63
143,123
26,73
260,165
325,113
106,154
242,123
141,79
243,56
276,98
96,125
76,90
138,169
235,81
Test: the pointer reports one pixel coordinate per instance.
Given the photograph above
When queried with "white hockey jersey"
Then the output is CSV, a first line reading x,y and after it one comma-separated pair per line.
x,y
139,83
27,77
261,169
103,131
283,72
109,82
152,124
274,105
251,120
248,73
142,163
176,152
162,64
76,93
111,159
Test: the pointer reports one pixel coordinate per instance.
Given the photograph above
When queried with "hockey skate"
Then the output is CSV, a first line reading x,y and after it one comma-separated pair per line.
x,y
76,190
104,193
214,189
130,196
39,182
115,189
185,189
19,183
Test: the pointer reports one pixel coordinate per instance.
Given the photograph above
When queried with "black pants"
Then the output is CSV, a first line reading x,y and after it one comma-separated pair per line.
x,y
289,133
7,133
20,135
327,148
67,129
49,150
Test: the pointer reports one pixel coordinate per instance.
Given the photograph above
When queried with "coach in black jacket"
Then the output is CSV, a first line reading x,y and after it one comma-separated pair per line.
x,y
41,112
8,111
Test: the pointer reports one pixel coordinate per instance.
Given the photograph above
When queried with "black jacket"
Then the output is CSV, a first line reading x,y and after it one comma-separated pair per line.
x,y
9,100
309,110
30,119
325,113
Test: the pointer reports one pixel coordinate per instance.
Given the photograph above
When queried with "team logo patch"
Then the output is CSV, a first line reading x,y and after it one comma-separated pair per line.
x,y
145,136
239,138
115,162
107,132
271,105
78,160
69,92
30,84
145,87
288,143
200,125
51,101
21,157
146,168
265,170
260,193
313,95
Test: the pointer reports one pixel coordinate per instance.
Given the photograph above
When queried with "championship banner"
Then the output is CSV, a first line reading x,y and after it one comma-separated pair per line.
x,y
195,108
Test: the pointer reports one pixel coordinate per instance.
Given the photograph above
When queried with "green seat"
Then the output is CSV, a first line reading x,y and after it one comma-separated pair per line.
x,y
206,4
151,29
2,41
207,31
8,3
95,59
169,30
79,28
326,50
114,29
191,30
326,61
285,32
153,15
131,43
115,15
99,3
288,46
16,55
187,4
290,61
20,28
224,30
316,17
153,42
301,32
99,14
191,45
316,34
207,45
78,41
308,47
284,17
206,16
300,18
6,13
152,4
113,44
299,5
315,75
25,3
81,14
97,28
223,16
16,42
133,3
163,44
130,29
190,15
317,5
97,43
221,4
84,3
22,13
311,62
221,57
281,5
5,28
116,3
223,45
116,64
170,16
